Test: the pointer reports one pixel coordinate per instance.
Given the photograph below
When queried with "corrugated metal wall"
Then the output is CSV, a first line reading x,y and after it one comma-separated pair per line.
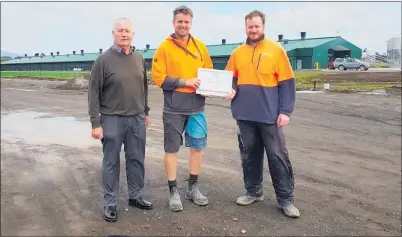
x,y
219,63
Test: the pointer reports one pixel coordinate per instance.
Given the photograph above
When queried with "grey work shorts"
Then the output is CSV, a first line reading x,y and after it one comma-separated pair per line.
x,y
174,126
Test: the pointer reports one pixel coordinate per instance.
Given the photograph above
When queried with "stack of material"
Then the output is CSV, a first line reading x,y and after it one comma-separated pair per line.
x,y
75,84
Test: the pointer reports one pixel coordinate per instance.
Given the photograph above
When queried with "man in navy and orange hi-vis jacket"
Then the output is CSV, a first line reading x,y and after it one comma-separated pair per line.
x,y
263,99
174,70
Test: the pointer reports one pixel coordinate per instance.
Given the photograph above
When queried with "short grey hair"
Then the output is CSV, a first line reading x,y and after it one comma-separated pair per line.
x,y
120,20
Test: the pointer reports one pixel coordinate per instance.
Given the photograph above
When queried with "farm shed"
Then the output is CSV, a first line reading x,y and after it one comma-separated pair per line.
x,y
53,62
83,61
303,54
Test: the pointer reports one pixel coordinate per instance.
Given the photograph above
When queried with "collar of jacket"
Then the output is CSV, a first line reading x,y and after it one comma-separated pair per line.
x,y
120,50
174,37
180,43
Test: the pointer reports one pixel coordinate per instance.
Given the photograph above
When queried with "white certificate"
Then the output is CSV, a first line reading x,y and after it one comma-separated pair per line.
x,y
215,82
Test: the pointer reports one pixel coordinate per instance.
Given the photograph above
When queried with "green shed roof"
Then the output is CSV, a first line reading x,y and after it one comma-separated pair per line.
x,y
55,59
217,50
214,51
306,43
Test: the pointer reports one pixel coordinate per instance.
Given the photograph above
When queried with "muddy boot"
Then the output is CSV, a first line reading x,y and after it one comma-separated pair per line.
x,y
248,200
194,194
290,210
175,204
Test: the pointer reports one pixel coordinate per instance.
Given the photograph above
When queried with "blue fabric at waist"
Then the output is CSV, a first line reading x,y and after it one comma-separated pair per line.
x,y
197,125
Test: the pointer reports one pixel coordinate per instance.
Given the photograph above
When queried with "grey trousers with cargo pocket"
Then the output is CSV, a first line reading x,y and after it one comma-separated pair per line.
x,y
130,131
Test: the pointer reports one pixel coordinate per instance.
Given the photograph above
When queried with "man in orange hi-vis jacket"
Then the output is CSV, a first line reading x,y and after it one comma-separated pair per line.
x,y
263,99
174,70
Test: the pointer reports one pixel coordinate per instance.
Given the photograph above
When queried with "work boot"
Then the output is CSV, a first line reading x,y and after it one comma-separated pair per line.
x,y
290,210
175,200
194,194
246,200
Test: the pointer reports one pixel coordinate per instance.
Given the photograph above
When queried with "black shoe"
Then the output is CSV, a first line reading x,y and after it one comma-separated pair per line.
x,y
110,214
140,203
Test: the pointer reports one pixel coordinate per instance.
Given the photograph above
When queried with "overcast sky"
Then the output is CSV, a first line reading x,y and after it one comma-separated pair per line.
x,y
66,26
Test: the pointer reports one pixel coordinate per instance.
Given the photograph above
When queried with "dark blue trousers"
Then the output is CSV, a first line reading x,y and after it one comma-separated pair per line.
x,y
253,139
130,131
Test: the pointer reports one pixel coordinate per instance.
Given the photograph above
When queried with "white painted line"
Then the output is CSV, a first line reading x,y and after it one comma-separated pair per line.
x,y
17,89
309,92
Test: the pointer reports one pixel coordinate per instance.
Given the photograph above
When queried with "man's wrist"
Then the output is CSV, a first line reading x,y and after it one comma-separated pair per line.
x,y
95,124
285,113
181,82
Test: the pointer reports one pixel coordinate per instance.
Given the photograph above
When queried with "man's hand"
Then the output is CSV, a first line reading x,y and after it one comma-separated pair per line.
x,y
97,133
147,121
231,95
193,83
283,120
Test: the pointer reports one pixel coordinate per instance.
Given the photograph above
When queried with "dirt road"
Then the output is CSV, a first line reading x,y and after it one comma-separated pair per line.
x,y
345,149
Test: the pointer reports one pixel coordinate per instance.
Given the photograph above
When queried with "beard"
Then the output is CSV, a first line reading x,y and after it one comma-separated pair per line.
x,y
259,38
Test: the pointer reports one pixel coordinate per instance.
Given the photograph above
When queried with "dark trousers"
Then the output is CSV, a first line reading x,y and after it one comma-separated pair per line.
x,y
130,131
253,138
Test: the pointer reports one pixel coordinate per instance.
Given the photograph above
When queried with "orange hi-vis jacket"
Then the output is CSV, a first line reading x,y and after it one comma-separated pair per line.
x,y
263,80
175,62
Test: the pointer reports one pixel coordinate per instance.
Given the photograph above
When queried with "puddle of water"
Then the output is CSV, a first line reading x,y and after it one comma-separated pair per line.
x,y
41,128
376,92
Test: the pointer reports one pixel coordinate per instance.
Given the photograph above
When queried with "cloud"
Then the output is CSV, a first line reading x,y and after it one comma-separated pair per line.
x,y
67,26
365,24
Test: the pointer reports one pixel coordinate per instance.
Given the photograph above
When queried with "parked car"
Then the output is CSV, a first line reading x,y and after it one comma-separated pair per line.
x,y
350,63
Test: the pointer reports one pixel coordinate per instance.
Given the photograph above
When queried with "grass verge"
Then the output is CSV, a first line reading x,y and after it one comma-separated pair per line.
x,y
304,80
63,75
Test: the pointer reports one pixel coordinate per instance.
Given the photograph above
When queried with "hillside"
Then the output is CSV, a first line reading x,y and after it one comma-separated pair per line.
x,y
8,54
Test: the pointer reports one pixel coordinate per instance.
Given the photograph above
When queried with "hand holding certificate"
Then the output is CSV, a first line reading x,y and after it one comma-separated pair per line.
x,y
214,82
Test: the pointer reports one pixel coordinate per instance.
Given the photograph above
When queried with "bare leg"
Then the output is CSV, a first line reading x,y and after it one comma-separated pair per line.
x,y
195,161
170,168
170,165
174,125
193,192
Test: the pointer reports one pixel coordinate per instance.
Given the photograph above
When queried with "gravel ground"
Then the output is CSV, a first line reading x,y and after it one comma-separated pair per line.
x,y
345,150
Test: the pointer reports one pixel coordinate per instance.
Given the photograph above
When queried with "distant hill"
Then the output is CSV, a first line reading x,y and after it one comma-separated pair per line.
x,y
8,54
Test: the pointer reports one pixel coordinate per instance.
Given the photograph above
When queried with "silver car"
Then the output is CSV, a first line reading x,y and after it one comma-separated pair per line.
x,y
351,63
